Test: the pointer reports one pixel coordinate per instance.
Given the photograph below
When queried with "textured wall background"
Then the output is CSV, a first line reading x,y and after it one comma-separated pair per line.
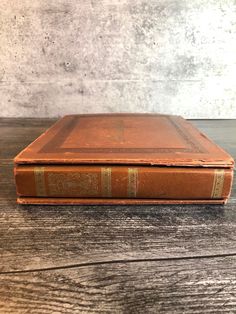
x,y
82,56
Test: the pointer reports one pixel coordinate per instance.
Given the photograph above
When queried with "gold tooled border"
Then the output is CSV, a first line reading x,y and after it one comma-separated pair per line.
x,y
106,182
39,181
132,182
218,183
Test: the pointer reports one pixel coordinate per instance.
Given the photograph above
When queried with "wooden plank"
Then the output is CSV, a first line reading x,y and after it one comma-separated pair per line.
x,y
170,286
222,132
17,133
13,123
7,183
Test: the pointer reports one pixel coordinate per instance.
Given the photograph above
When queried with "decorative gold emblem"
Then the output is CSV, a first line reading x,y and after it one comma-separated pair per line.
x,y
72,184
132,182
106,182
39,181
218,183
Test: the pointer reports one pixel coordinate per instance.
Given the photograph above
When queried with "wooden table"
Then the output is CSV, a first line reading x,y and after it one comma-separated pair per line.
x,y
114,259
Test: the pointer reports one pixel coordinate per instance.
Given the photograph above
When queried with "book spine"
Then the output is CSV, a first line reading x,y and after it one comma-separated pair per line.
x,y
123,182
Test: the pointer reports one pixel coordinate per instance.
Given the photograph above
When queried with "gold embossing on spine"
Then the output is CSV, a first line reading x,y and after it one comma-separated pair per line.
x,y
39,181
106,182
218,183
132,182
72,184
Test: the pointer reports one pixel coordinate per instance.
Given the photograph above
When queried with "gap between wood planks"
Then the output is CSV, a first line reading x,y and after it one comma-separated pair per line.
x,y
139,260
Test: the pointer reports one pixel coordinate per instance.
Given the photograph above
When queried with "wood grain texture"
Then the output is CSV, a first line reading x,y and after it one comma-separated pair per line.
x,y
16,134
36,237
171,286
114,259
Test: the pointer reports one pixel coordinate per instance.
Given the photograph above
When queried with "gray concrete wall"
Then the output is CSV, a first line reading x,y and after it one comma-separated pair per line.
x,y
74,56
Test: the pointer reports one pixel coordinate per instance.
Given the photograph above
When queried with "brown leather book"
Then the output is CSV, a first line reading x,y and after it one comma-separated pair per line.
x,y
123,159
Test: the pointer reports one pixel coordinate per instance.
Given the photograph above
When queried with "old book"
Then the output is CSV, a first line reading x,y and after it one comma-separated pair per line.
x,y
123,159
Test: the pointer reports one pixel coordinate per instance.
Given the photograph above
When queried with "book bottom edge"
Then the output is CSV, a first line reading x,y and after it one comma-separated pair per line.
x,y
111,201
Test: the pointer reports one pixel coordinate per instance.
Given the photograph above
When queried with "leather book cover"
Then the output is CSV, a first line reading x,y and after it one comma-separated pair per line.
x,y
131,140
142,182
144,139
